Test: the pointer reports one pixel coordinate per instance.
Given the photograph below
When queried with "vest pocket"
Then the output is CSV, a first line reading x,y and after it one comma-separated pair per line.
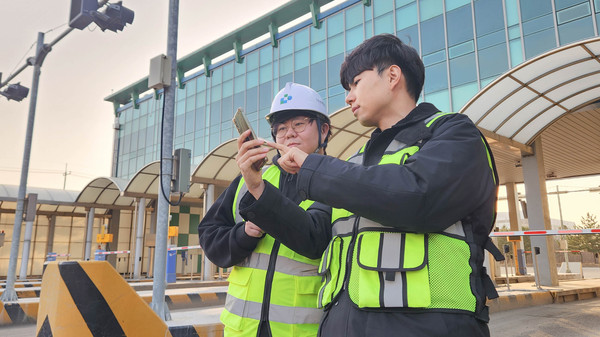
x,y
237,297
329,270
390,270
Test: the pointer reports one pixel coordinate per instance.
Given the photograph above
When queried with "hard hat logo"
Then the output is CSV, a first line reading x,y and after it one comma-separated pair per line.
x,y
286,98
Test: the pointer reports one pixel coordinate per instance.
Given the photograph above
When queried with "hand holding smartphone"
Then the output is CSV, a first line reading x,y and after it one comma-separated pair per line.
x,y
241,124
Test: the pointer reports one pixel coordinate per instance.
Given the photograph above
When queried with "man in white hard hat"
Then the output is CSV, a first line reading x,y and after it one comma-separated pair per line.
x,y
273,284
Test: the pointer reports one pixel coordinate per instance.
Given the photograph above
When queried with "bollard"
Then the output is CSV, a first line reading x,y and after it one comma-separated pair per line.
x,y
536,252
506,250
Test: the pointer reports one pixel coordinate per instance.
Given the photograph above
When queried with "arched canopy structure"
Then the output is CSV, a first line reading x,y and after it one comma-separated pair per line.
x,y
49,201
551,96
105,192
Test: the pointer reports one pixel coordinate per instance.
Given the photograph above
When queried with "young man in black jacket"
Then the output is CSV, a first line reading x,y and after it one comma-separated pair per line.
x,y
273,284
412,210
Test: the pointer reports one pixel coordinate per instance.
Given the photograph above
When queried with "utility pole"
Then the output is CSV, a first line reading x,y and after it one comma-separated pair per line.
x,y
564,238
10,294
65,175
164,186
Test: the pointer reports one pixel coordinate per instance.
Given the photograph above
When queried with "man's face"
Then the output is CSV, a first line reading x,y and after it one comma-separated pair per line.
x,y
298,131
369,95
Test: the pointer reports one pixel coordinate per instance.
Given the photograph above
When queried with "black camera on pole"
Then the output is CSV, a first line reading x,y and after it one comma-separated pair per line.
x,y
16,92
114,18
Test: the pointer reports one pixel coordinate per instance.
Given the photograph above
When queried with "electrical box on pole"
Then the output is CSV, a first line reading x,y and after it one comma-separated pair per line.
x,y
160,72
181,169
30,210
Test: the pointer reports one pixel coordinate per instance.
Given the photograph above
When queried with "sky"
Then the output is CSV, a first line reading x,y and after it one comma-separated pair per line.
x,y
73,123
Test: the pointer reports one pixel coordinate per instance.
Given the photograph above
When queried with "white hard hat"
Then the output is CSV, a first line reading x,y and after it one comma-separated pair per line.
x,y
296,96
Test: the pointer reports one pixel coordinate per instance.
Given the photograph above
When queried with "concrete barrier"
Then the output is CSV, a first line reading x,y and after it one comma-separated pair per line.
x,y
83,298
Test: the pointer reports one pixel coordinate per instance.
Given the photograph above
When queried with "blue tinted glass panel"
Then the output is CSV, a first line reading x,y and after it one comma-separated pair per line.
x,y
335,90
400,3
437,78
560,4
198,146
179,109
440,99
215,113
335,45
264,95
435,57
512,12
573,13
190,104
317,35
538,43
463,70
238,101
266,73
215,93
514,32
317,76
228,88
539,24
461,49
493,61
406,16
200,99
286,65
302,59
335,24
488,16
226,109
354,16
318,52
266,55
286,46
301,76
239,84
251,61
201,83
333,69
251,99
190,86
336,102
382,7
199,125
354,37
301,39
533,9
453,4
597,6
410,36
516,52
432,33
384,24
227,72
489,40
459,25
368,29
285,79
576,30
179,127
217,75
430,8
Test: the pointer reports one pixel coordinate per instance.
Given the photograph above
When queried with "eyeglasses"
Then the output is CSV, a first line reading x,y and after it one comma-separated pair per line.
x,y
298,125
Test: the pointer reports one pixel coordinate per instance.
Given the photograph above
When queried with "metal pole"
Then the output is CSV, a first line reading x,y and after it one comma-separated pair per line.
x,y
566,248
209,199
139,238
88,236
25,254
9,293
162,225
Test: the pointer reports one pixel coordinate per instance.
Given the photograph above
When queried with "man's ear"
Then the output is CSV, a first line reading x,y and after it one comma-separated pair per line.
x,y
394,75
324,129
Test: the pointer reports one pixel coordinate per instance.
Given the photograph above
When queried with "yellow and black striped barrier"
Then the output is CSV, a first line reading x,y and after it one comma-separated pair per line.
x,y
205,330
89,298
21,312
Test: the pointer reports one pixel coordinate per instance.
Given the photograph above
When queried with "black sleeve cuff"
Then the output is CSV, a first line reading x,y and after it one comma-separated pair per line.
x,y
309,167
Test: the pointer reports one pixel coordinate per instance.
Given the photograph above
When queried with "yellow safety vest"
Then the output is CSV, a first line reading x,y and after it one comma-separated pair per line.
x,y
393,269
292,309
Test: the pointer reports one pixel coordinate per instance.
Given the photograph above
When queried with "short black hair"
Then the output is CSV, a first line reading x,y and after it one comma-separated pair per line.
x,y
382,51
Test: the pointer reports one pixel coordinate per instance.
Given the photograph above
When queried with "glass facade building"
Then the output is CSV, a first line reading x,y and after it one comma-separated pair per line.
x,y
464,44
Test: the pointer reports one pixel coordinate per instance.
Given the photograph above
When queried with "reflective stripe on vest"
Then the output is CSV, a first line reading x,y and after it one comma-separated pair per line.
x,y
395,269
294,286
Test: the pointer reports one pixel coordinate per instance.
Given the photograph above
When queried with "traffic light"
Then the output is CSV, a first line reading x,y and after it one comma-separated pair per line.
x,y
81,13
114,17
15,92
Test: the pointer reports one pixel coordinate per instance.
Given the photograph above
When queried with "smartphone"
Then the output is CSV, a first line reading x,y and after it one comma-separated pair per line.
x,y
241,124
